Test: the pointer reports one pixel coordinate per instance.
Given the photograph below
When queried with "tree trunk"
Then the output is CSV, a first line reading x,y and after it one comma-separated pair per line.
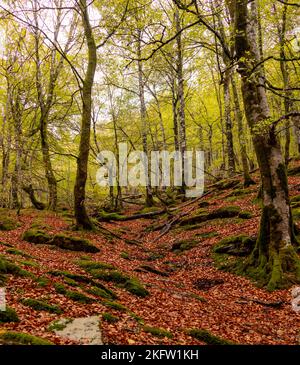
x,y
180,84
274,261
144,122
82,219
241,134
45,104
228,124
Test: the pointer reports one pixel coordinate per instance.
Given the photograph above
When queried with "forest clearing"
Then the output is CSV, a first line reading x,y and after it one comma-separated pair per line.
x,y
150,172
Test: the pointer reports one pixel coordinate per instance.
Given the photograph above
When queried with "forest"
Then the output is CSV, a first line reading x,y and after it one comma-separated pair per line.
x,y
149,172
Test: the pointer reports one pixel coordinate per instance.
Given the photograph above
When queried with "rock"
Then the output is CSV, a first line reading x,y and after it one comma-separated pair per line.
x,y
85,330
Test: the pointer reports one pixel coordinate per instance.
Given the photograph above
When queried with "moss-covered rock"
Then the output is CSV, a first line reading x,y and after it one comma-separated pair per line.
x,y
104,216
14,251
111,275
66,274
98,292
40,305
207,337
133,286
60,240
240,245
8,267
94,265
8,223
79,297
9,315
184,245
224,212
19,338
158,332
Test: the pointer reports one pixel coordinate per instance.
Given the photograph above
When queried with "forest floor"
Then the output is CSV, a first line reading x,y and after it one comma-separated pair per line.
x,y
187,292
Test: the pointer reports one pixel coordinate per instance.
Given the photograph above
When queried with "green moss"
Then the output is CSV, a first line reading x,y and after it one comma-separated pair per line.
x,y
125,255
245,215
133,286
60,288
29,263
136,317
206,235
224,212
107,294
114,305
8,223
113,276
9,315
240,245
8,267
106,217
42,281
18,338
157,332
37,236
149,210
93,265
59,325
6,244
66,274
78,297
197,297
74,243
60,240
71,282
207,337
184,245
40,305
296,213
110,318
14,251
295,199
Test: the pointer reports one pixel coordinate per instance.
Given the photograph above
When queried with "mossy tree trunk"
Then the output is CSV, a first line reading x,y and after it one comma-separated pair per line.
x,y
274,260
82,219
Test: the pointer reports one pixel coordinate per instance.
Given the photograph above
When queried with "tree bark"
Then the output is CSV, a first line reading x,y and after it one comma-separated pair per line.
x,y
274,261
241,134
180,85
144,122
82,219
